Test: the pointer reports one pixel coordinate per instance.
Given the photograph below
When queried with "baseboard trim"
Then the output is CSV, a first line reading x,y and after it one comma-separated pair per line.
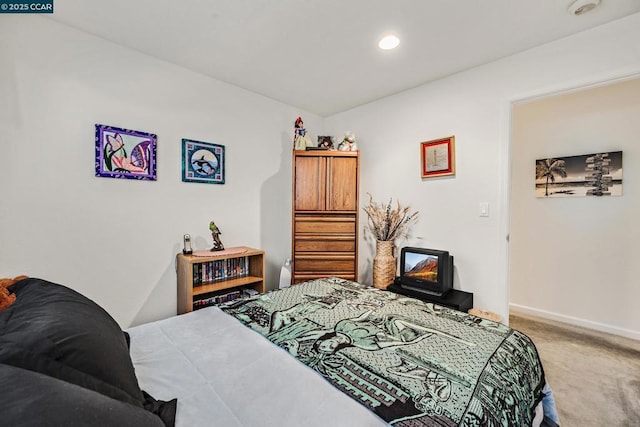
x,y
575,321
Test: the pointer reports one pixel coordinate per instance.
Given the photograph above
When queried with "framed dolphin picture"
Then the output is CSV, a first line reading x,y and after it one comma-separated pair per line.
x,y
202,162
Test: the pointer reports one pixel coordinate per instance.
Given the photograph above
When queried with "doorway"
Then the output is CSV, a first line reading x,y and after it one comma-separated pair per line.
x,y
571,259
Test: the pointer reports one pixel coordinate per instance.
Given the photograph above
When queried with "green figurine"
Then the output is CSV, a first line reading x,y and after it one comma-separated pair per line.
x,y
215,233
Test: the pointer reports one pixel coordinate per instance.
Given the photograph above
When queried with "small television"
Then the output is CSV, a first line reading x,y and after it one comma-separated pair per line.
x,y
426,270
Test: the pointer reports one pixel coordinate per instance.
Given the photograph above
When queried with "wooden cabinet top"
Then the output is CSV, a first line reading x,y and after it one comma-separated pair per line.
x,y
325,153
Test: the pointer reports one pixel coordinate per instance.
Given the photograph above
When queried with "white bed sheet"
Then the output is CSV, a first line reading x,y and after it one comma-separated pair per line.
x,y
225,374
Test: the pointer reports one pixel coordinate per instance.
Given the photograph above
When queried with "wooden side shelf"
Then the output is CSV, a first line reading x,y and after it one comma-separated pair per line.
x,y
208,280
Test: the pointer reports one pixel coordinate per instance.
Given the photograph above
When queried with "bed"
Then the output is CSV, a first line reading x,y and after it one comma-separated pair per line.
x,y
328,352
344,355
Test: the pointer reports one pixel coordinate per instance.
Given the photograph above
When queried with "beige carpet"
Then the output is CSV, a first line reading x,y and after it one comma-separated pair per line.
x,y
595,376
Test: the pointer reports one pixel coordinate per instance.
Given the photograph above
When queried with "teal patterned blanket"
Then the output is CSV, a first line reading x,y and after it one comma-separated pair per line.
x,y
412,363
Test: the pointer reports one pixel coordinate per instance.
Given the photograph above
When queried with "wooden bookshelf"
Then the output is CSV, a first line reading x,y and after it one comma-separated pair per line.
x,y
204,279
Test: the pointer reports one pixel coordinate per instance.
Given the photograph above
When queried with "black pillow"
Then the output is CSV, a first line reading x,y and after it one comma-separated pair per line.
x,y
64,329
31,399
21,357
55,331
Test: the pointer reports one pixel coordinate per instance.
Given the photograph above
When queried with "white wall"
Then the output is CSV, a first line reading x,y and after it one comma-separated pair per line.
x,y
115,240
475,107
578,254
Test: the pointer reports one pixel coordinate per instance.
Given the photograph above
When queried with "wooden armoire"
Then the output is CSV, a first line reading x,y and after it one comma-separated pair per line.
x,y
325,215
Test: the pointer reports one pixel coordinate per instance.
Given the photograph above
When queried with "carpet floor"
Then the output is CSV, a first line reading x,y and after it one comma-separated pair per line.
x,y
595,377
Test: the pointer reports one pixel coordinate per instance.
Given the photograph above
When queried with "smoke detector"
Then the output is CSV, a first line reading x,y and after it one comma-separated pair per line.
x,y
580,7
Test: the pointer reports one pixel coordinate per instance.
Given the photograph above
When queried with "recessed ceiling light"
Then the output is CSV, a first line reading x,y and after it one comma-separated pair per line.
x,y
580,7
390,41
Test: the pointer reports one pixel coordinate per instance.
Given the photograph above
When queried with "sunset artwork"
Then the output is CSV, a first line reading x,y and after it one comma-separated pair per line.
x,y
598,174
421,266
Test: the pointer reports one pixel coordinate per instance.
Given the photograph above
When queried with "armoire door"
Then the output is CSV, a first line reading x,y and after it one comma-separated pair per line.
x,y
310,183
342,184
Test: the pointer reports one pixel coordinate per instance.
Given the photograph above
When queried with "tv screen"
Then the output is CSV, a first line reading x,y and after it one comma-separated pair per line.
x,y
426,270
421,266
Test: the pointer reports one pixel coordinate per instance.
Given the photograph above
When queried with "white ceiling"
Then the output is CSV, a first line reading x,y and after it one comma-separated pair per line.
x,y
321,55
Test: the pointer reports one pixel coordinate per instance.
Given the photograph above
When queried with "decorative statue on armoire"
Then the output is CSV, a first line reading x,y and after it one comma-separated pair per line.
x,y
300,139
348,142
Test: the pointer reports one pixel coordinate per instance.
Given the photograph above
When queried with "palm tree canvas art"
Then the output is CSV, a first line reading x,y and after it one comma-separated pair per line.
x,y
598,174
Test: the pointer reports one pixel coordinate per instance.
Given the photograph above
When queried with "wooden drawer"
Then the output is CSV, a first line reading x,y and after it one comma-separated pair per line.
x,y
322,244
328,263
316,224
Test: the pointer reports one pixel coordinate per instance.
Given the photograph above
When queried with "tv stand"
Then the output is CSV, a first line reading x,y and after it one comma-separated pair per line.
x,y
456,299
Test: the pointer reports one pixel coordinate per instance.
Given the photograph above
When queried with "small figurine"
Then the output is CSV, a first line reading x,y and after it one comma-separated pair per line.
x,y
215,233
300,139
348,142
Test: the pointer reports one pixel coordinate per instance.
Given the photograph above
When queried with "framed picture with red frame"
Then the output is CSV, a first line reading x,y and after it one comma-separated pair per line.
x,y
438,157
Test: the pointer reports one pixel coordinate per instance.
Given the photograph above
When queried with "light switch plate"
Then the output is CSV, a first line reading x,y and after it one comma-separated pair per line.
x,y
484,209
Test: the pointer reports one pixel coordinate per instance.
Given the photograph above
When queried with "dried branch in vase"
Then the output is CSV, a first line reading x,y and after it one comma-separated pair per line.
x,y
389,223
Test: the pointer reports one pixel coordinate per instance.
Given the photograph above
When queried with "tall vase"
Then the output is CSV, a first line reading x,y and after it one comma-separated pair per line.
x,y
384,264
